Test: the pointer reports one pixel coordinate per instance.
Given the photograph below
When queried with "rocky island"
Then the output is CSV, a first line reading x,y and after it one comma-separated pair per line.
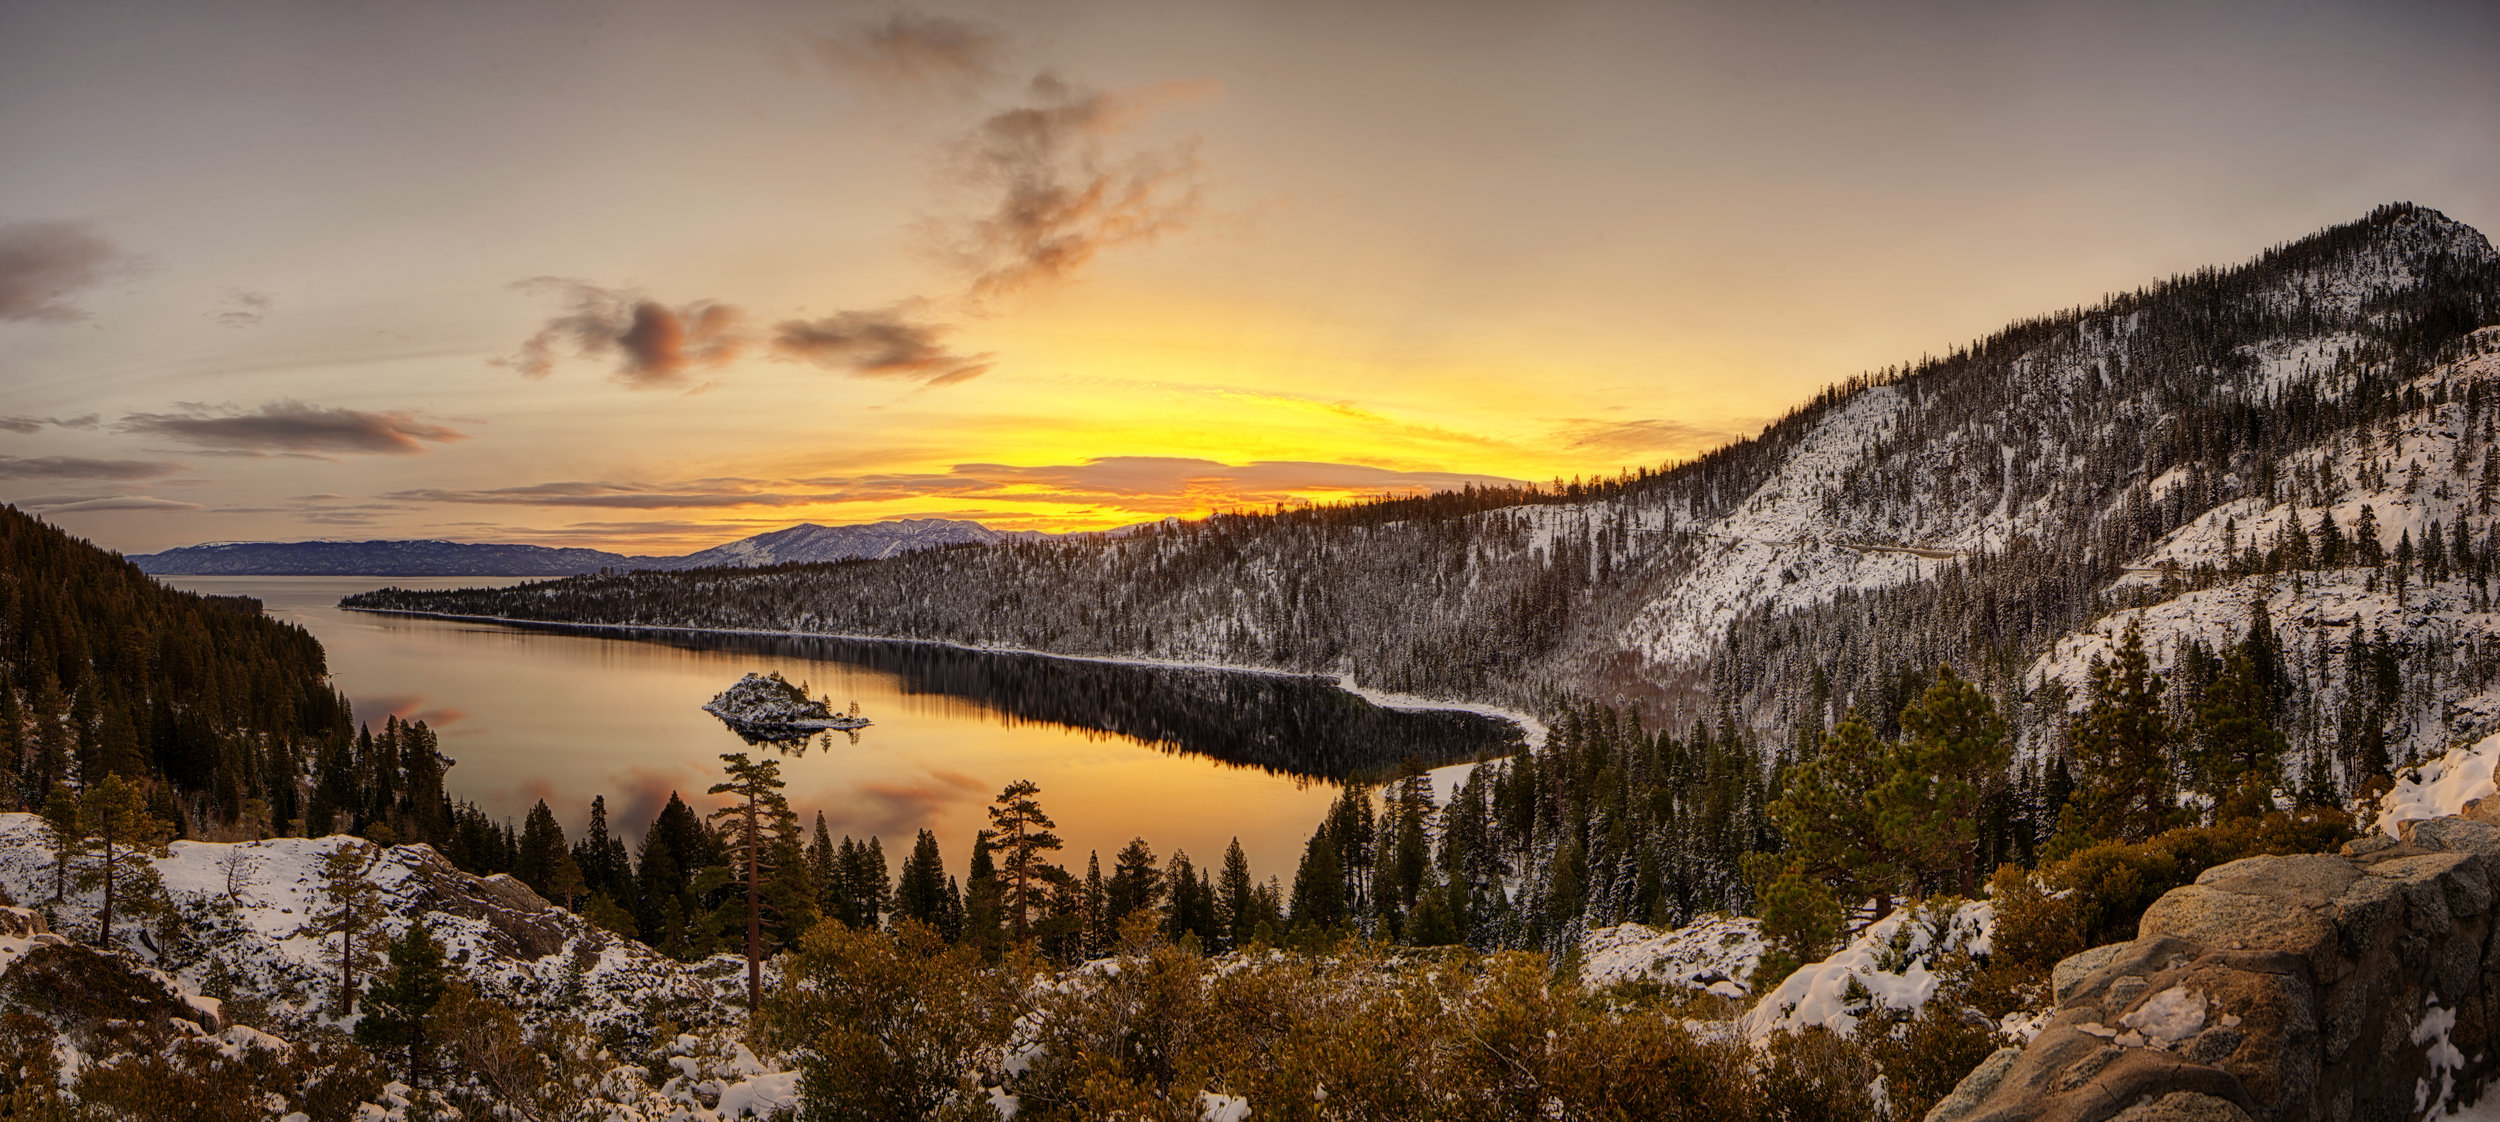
x,y
770,707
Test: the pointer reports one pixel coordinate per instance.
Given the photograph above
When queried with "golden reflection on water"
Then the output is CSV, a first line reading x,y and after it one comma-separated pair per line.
x,y
536,714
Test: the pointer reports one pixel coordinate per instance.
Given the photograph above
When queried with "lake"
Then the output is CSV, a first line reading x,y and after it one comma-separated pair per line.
x,y
1186,758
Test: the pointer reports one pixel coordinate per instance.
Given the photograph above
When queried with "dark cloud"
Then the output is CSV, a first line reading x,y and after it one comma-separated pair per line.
x,y
77,504
884,344
1063,195
243,308
293,426
1638,437
915,53
44,264
79,467
653,344
31,424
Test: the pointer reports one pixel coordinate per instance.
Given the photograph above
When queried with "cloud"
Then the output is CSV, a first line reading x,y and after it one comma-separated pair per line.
x,y
243,308
653,344
32,424
1062,196
293,426
79,467
44,264
1638,437
882,344
891,808
1156,484
708,493
915,53
75,504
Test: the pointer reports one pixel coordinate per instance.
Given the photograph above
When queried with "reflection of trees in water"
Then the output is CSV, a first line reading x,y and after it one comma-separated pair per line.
x,y
1287,724
791,745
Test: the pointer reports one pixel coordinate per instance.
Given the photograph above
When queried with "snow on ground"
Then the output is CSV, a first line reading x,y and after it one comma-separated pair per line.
x,y
1717,955
2442,786
240,910
1891,965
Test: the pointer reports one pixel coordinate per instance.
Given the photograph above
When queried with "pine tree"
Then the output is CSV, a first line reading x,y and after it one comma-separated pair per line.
x,y
2239,754
1954,756
351,909
1023,833
2121,752
399,1008
1135,884
1237,897
1319,893
921,892
546,863
757,817
1832,833
64,827
119,832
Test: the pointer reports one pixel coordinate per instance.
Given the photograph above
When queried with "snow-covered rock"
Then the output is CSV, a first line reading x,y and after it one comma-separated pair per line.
x,y
1891,965
1716,955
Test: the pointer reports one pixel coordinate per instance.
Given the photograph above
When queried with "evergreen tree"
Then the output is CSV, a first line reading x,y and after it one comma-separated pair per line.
x,y
1954,757
2121,751
1319,893
64,826
1832,833
1237,897
120,833
351,909
922,893
399,1009
984,896
1023,833
1135,885
2239,753
762,834
546,863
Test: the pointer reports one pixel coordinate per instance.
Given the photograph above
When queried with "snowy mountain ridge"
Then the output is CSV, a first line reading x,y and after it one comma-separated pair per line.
x,y
1987,509
805,542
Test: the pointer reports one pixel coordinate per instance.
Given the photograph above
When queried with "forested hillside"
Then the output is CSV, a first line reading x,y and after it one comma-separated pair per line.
x,y
1983,508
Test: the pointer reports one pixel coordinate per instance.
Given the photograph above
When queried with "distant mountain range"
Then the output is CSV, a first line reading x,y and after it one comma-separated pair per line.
x,y
800,543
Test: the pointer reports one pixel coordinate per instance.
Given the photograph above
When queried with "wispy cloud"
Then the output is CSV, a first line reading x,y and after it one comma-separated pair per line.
x,y
243,308
1063,195
885,344
45,265
293,427
88,504
1653,438
33,424
80,467
653,344
914,53
1157,484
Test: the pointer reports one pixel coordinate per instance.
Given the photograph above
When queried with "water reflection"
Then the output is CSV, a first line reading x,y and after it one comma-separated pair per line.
x,y
1284,724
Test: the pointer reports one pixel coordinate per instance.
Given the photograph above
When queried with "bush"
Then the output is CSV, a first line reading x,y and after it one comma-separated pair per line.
x,y
2097,895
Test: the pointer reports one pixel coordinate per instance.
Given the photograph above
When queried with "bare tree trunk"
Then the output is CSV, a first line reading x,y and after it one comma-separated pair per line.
x,y
755,920
104,935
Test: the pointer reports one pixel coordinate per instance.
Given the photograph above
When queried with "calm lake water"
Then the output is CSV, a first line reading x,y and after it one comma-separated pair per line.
x,y
1187,759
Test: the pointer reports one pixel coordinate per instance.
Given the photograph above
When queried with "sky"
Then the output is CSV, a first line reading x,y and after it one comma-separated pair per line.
x,y
655,276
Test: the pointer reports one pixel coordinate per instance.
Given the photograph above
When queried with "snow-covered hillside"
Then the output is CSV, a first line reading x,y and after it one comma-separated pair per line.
x,y
234,939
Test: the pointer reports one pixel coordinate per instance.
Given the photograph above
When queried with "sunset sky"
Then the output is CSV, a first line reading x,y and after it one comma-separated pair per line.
x,y
654,276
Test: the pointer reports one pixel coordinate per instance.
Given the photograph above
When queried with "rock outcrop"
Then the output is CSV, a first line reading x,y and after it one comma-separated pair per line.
x,y
2359,985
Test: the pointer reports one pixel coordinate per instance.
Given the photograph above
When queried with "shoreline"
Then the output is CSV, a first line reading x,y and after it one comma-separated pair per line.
x,y
1532,730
